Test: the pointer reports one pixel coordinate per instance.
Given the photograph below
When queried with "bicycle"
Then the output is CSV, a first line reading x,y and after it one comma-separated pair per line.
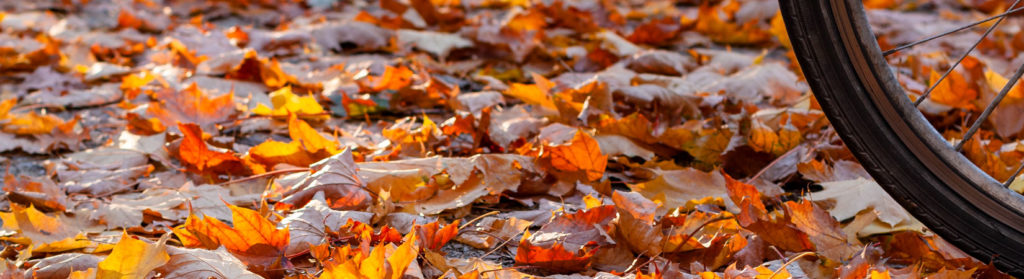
x,y
867,105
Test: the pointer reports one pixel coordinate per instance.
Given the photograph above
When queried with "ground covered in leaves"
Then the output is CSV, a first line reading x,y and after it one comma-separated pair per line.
x,y
455,139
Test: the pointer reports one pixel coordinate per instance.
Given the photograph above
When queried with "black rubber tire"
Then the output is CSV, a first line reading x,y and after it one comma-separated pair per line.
x,y
868,108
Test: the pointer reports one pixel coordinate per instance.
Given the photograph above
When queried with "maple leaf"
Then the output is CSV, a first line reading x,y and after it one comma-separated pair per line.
x,y
307,146
954,91
432,237
393,78
253,238
375,264
763,139
534,94
30,123
191,105
35,225
854,196
39,192
755,217
821,228
709,23
556,259
202,263
133,258
197,157
336,177
581,155
62,265
287,104
308,225
656,32
438,44
673,188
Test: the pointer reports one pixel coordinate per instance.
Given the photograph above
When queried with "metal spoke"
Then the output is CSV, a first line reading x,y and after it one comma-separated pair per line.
x,y
991,107
958,29
962,57
1014,176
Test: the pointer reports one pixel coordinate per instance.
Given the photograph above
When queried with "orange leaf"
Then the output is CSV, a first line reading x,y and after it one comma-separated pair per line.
x,y
534,94
392,79
953,91
254,239
764,139
755,217
30,123
432,237
191,105
721,31
581,155
655,32
197,158
555,259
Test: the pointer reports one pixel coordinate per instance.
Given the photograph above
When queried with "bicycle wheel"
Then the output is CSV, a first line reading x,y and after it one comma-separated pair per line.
x,y
856,88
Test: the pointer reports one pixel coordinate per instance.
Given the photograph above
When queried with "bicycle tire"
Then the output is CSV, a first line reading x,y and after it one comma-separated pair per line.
x,y
858,92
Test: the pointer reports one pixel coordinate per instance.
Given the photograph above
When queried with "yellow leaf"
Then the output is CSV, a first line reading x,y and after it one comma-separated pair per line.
x,y
534,94
83,274
287,103
307,146
31,123
376,265
879,275
35,225
766,273
997,81
133,258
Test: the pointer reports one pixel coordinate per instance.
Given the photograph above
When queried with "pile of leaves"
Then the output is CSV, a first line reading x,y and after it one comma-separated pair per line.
x,y
453,139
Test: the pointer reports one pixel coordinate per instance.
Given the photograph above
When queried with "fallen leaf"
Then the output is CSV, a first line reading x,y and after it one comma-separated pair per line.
x,y
337,178
438,44
191,105
582,155
35,225
375,264
197,157
307,147
673,188
252,238
287,104
62,265
133,258
556,259
953,91
850,197
308,225
37,191
202,263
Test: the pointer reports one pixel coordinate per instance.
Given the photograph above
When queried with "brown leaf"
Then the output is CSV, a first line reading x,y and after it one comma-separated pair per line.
x,y
61,265
38,191
336,177
202,263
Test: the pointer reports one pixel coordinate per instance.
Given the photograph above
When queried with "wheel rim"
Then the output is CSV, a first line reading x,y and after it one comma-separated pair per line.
x,y
913,129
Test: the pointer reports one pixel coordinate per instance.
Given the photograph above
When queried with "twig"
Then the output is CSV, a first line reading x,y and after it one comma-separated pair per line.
x,y
501,245
801,255
477,219
262,175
